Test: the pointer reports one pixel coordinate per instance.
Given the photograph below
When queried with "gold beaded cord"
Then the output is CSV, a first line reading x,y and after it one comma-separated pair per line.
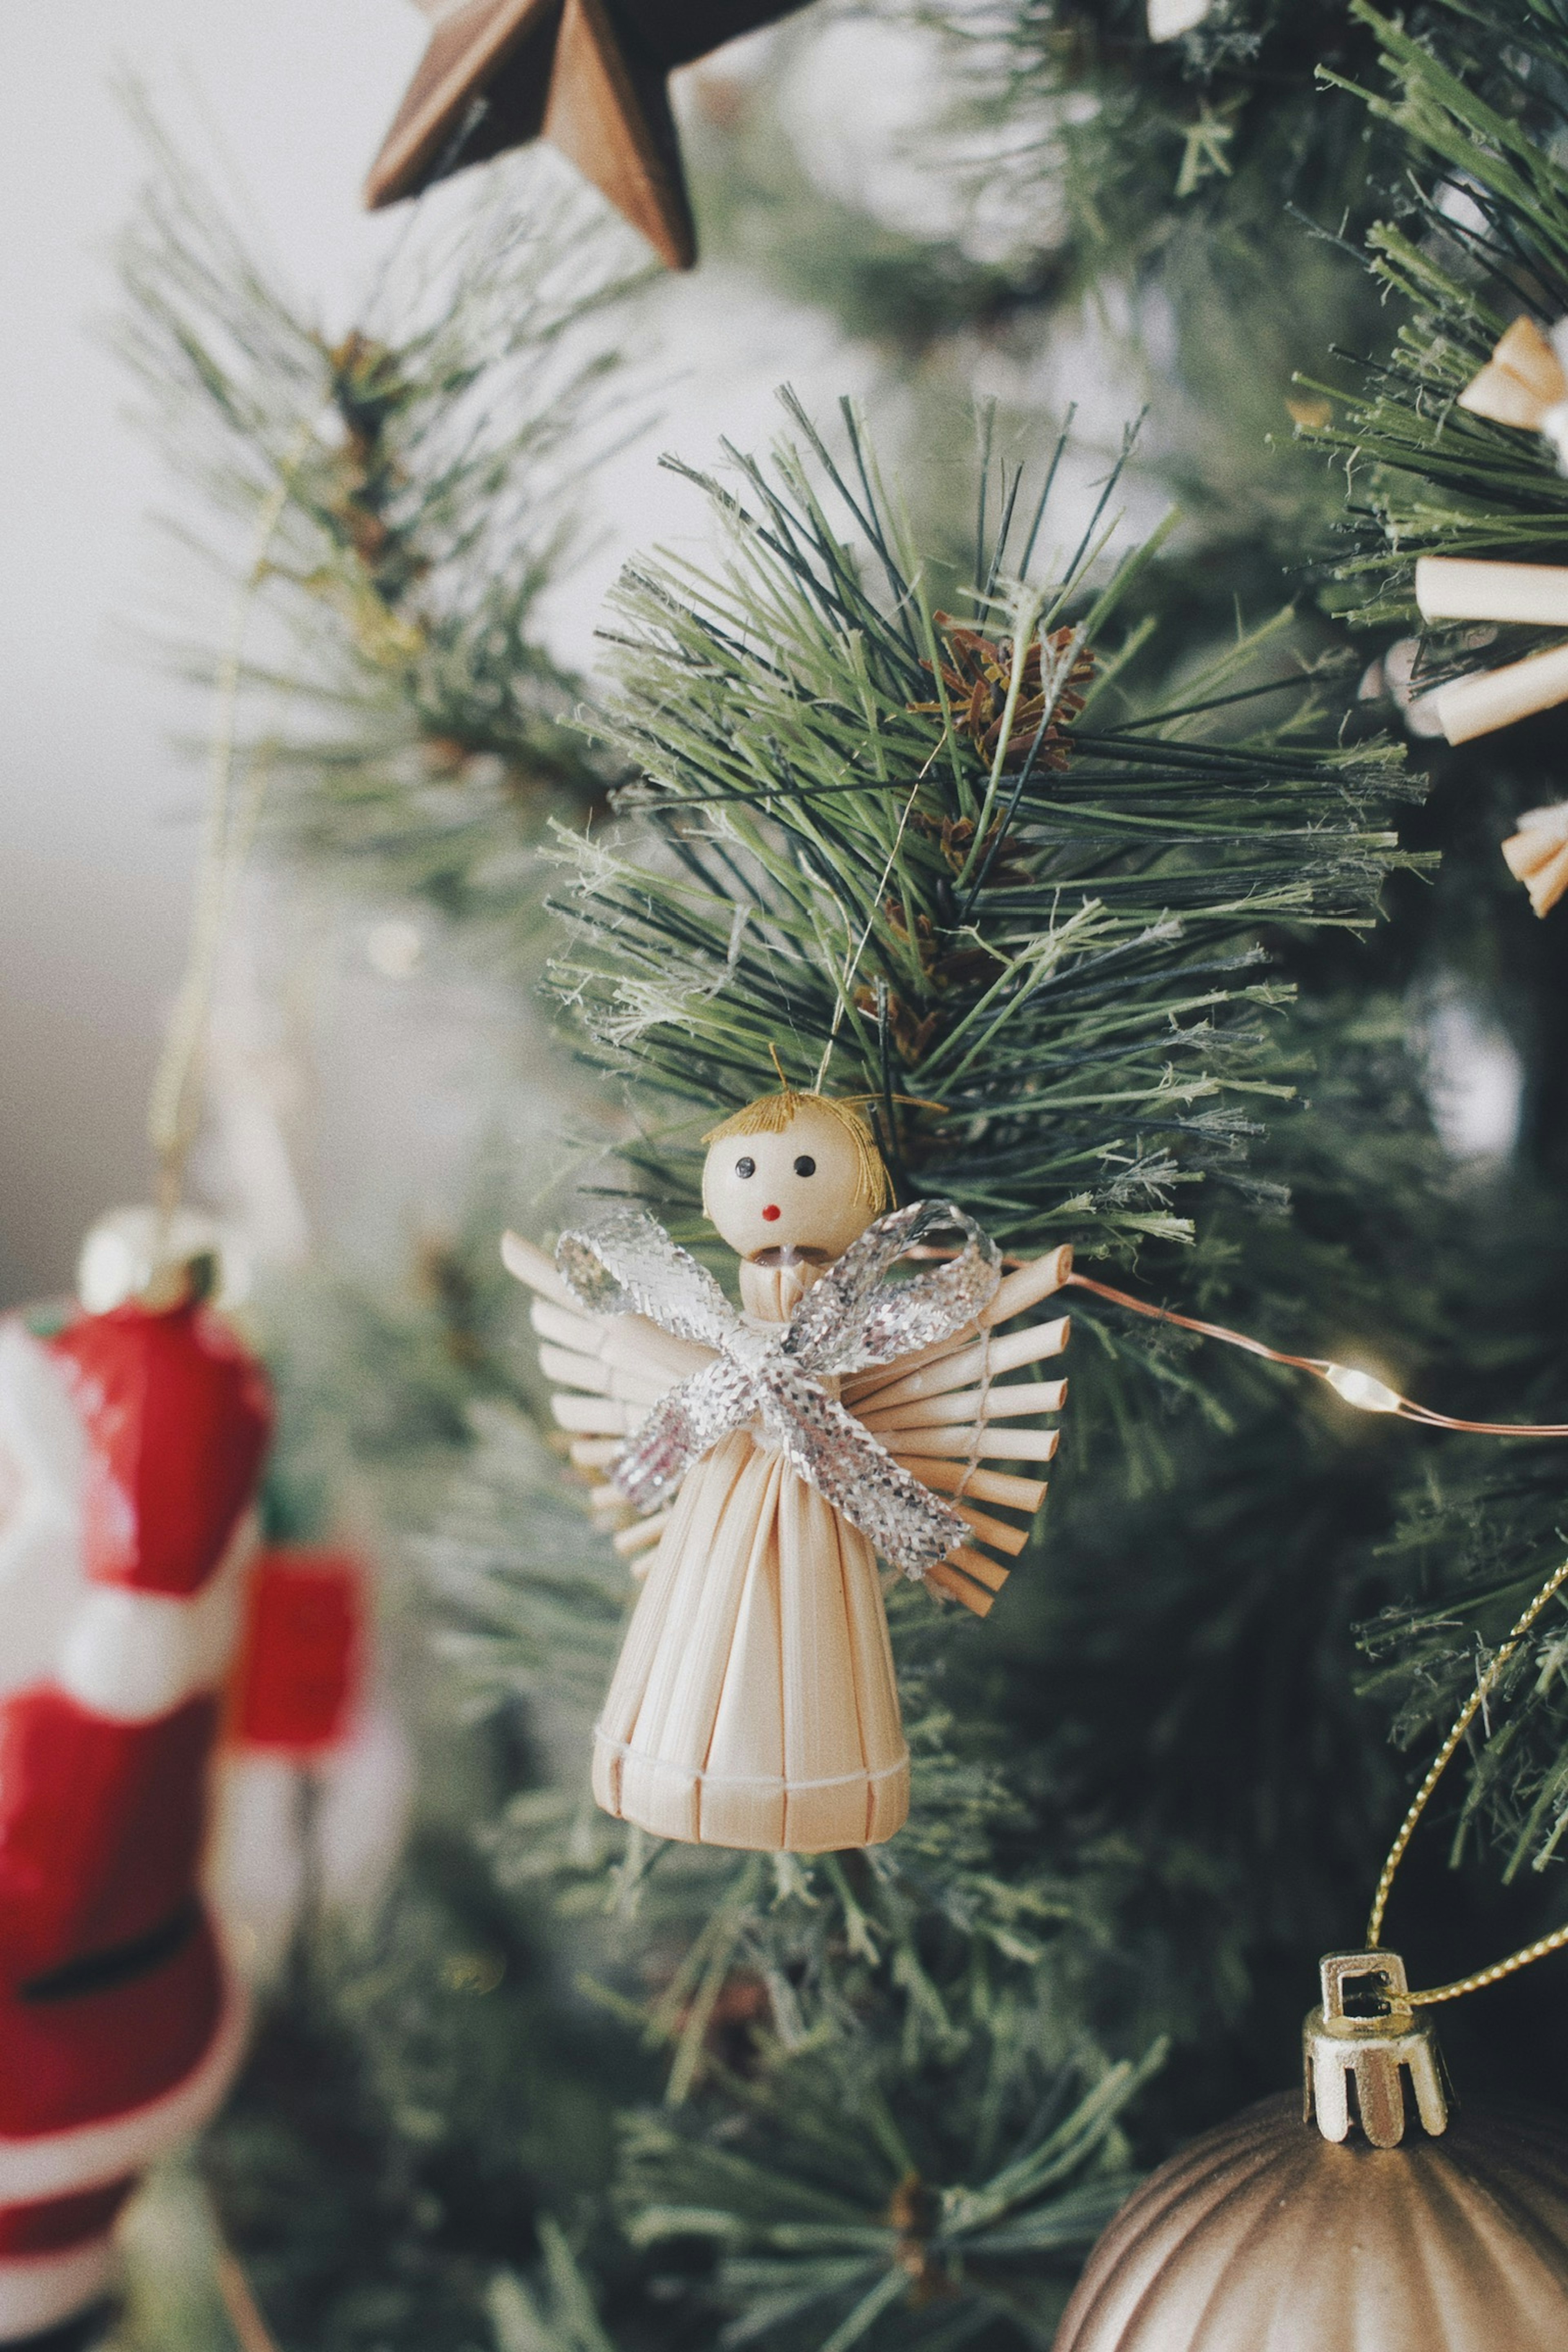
x,y
1486,1683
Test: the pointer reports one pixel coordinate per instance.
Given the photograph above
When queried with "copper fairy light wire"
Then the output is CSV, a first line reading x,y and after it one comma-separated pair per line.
x,y
1363,1390
1372,1395
1191,1323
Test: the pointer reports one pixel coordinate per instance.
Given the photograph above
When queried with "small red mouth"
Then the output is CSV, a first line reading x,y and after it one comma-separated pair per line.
x,y
771,1213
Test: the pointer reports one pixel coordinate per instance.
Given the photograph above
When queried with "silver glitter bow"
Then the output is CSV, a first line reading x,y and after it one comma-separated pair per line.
x,y
848,1320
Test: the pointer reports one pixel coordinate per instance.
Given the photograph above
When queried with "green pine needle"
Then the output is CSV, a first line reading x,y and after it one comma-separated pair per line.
x,y
428,458
870,840
833,2228
1488,241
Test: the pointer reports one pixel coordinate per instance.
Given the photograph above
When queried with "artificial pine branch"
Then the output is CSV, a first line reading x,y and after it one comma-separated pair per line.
x,y
1105,207
1481,102
1108,903
1476,1536
929,1984
554,2314
406,2118
1488,241
416,477
909,842
1121,135
986,889
830,2206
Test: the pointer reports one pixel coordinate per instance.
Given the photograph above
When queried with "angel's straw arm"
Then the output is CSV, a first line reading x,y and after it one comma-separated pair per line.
x,y
945,1413
613,1370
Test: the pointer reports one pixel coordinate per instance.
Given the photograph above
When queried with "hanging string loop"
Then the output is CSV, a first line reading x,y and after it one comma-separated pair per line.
x,y
174,1110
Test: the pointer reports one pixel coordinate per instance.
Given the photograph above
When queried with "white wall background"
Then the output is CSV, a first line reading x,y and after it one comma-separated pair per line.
x,y
96,812
96,843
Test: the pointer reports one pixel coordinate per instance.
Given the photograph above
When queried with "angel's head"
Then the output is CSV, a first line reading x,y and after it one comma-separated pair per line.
x,y
796,1171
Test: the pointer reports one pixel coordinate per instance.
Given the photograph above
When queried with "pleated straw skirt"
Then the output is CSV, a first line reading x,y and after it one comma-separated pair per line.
x,y
754,1703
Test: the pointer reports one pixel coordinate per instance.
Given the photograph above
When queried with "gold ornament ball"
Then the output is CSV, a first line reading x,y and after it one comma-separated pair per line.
x,y
1264,2237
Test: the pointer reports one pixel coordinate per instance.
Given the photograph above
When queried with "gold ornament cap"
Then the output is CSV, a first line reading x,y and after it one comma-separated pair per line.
x,y
1370,2049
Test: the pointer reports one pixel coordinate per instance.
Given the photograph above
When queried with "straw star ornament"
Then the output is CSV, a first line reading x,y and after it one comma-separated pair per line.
x,y
590,76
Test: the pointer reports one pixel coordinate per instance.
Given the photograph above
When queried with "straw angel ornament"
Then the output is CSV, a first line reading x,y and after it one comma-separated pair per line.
x,y
842,1414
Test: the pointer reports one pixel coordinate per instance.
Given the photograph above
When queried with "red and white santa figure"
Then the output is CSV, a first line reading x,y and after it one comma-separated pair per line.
x,y
130,1443
315,1775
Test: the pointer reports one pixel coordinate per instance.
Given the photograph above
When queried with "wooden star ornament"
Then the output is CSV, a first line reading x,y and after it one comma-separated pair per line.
x,y
588,75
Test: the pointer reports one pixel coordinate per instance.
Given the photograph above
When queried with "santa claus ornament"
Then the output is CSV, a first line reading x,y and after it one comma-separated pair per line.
x,y
315,1774
130,1442
776,1452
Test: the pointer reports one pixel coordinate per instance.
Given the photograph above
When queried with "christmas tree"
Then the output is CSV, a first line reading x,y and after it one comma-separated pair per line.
x,y
1119,877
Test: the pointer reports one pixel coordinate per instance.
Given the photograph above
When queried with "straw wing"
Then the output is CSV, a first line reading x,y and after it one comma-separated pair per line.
x,y
946,1414
612,1369
950,1411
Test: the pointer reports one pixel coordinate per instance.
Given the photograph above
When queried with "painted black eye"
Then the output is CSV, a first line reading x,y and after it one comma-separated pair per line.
x,y
745,1166
805,1166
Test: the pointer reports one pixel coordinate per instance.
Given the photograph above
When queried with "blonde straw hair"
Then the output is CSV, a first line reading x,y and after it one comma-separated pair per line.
x,y
772,1114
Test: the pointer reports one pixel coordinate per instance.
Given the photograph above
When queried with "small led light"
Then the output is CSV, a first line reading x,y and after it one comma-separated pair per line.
x,y
1359,1389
